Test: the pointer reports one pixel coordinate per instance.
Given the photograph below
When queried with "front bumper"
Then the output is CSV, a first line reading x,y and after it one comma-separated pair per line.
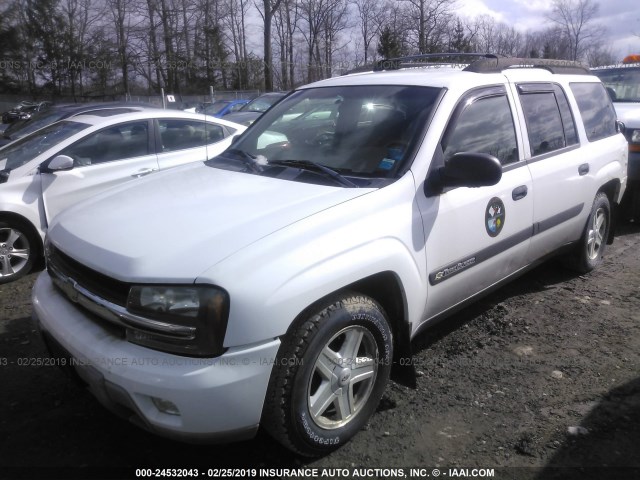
x,y
218,399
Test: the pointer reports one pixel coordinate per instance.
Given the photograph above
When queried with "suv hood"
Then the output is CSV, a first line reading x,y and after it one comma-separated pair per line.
x,y
172,226
628,113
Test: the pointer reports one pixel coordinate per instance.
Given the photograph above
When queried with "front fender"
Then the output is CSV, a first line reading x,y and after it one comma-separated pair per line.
x,y
271,282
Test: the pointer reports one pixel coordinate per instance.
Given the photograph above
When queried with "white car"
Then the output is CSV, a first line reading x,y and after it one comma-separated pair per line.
x,y
278,283
66,162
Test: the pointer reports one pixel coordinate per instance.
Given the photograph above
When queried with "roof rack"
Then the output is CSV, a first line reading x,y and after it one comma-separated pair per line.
x,y
428,59
480,63
497,65
425,59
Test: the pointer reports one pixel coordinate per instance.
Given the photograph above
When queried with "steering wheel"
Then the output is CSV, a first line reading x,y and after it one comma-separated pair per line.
x,y
322,139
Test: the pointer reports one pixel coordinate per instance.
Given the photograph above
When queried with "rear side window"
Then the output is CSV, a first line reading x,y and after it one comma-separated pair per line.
x,y
550,124
596,109
183,134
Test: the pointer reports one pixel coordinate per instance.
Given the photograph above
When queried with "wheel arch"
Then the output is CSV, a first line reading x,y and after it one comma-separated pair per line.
x,y
16,217
612,190
33,232
387,290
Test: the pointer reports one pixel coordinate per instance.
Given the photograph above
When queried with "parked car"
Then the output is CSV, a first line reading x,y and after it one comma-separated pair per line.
x,y
623,84
196,107
256,107
308,259
54,113
61,164
23,111
221,108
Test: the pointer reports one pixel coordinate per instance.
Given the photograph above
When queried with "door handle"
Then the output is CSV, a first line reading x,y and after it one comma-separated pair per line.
x,y
519,192
143,172
583,169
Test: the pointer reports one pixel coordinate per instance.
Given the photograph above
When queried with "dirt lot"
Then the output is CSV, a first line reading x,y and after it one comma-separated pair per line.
x,y
539,380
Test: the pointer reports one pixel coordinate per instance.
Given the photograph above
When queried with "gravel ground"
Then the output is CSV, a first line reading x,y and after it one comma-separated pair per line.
x,y
539,380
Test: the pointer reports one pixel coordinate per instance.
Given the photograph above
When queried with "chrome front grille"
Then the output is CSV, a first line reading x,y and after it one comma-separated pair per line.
x,y
103,286
104,297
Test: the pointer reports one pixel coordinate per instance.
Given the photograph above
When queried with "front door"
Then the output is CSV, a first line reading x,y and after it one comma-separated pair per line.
x,y
477,236
103,159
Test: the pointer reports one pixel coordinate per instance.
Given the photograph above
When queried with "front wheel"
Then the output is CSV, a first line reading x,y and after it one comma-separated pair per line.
x,y
331,372
18,250
590,249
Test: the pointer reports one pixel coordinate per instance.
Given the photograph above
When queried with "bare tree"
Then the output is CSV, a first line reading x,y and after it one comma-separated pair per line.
x,y
575,18
234,20
209,43
600,56
267,10
120,12
487,35
322,21
432,20
369,15
335,22
286,23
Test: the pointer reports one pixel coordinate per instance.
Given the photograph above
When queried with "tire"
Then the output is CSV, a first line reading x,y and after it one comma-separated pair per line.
x,y
331,371
589,252
18,250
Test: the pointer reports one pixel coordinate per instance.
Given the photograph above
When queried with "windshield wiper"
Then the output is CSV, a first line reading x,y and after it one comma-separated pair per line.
x,y
246,158
316,167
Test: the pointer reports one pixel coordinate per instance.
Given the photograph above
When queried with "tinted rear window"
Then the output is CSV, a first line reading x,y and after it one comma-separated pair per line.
x,y
596,110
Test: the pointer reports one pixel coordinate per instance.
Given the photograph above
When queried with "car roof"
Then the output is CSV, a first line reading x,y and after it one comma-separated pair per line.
x,y
487,70
81,107
116,117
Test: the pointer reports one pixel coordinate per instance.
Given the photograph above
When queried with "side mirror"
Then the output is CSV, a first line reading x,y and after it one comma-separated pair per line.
x,y
465,169
59,163
620,127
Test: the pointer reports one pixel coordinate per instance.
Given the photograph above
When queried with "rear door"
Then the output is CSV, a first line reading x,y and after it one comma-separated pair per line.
x,y
103,159
563,177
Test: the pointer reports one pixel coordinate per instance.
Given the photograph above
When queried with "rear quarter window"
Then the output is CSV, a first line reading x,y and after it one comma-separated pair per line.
x,y
596,110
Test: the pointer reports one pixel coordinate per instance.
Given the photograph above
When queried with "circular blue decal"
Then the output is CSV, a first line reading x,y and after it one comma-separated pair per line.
x,y
494,217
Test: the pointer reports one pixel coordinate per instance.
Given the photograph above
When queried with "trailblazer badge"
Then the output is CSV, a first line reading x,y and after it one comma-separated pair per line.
x,y
494,217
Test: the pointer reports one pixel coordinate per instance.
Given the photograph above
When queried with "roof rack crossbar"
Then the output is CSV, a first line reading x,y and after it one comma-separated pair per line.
x,y
497,65
417,60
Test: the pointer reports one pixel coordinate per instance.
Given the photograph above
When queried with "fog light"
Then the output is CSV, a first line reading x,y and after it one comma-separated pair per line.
x,y
165,406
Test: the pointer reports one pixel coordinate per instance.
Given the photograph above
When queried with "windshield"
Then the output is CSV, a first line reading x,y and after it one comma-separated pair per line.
x,y
215,108
365,132
37,121
18,153
623,84
261,104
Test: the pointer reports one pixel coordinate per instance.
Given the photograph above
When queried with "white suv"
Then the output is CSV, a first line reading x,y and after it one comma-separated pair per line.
x,y
278,283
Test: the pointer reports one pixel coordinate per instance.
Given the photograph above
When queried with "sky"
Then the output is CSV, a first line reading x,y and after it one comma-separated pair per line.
x,y
621,18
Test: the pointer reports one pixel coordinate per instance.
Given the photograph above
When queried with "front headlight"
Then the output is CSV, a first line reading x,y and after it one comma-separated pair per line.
x,y
635,136
188,320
